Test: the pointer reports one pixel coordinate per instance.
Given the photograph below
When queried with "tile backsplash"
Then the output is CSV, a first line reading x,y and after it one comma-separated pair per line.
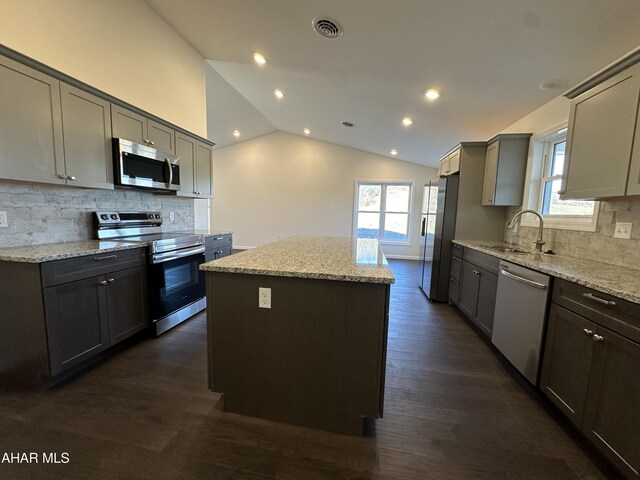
x,y
39,214
600,245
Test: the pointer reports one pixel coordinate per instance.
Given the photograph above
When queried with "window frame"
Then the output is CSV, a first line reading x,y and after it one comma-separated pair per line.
x,y
539,173
382,212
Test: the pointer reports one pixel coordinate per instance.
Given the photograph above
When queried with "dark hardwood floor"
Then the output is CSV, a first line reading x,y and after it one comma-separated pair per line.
x,y
452,412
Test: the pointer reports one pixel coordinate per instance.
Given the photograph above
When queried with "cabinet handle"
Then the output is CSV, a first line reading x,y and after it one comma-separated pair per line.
x,y
72,177
598,338
218,238
106,257
62,176
103,282
591,296
588,332
454,281
219,252
111,280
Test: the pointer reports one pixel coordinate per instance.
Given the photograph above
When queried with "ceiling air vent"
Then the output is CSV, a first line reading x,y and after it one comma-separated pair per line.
x,y
327,27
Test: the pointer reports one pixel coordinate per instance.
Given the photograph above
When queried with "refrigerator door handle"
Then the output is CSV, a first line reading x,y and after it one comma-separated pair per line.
x,y
422,228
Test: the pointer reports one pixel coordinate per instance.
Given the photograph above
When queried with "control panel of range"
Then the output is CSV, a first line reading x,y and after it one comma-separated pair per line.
x,y
109,218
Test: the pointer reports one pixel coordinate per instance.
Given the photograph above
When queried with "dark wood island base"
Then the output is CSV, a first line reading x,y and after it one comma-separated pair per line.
x,y
316,358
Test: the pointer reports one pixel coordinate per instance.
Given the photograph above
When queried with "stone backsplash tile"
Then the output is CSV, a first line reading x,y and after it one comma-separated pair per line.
x,y
599,245
40,214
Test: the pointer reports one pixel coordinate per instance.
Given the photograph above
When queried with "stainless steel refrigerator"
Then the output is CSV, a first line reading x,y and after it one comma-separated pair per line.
x,y
438,229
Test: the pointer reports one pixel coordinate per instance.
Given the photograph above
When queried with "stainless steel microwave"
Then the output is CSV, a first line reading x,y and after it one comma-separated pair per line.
x,y
142,166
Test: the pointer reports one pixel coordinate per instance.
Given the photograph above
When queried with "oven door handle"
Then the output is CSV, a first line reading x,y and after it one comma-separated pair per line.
x,y
165,257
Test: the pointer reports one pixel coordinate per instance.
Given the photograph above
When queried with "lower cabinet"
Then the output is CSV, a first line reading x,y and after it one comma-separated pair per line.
x,y
478,288
591,372
217,246
127,303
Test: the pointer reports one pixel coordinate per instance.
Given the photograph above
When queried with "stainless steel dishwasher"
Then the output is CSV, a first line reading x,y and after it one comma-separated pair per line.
x,y
518,324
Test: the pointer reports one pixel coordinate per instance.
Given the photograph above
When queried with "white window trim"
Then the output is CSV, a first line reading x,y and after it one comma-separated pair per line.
x,y
411,184
533,186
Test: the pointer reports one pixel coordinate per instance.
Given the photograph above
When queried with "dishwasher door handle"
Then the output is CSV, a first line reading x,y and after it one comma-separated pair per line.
x,y
526,281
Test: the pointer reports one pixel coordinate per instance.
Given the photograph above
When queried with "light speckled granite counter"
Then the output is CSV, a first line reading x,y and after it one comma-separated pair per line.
x,y
207,233
328,258
59,251
617,281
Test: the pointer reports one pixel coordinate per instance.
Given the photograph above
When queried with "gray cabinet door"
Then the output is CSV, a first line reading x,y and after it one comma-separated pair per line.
x,y
128,125
490,174
568,354
186,150
612,416
87,138
602,123
31,146
127,303
468,290
161,137
486,302
204,165
76,318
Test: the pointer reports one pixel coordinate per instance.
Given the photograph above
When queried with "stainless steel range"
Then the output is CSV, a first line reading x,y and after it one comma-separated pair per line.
x,y
176,286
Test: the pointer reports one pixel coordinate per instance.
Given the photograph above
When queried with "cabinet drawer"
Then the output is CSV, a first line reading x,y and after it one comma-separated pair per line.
x,y
619,315
488,262
77,268
217,241
457,250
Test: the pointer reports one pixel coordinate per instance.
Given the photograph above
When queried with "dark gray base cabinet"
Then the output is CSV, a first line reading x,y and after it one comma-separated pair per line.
x,y
591,373
477,287
217,247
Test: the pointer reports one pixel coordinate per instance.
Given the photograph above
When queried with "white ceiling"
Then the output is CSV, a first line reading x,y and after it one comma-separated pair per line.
x,y
487,58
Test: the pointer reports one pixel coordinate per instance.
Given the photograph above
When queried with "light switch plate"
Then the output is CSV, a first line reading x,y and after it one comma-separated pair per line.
x,y
3,220
623,230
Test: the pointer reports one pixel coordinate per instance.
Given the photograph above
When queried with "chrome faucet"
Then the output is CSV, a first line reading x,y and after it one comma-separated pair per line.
x,y
539,241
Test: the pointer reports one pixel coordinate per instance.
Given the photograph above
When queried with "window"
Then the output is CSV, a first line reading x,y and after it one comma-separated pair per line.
x,y
545,179
383,211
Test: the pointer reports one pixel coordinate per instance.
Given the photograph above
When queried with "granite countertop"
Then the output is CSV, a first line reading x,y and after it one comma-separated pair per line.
x,y
207,233
327,258
58,251
617,281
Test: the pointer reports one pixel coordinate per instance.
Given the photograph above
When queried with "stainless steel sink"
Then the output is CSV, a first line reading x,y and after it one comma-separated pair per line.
x,y
508,249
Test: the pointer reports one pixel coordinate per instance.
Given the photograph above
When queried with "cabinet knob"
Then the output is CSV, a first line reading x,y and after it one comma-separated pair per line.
x,y
111,280
587,332
72,177
103,282
598,338
476,272
62,176
152,143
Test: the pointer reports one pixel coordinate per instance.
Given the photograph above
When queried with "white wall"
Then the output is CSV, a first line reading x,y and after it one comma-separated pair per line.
x,y
121,47
283,184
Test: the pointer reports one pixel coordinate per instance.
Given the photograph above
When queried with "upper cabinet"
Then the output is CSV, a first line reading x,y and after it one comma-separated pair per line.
x,y
31,146
137,128
504,170
195,167
603,131
450,163
87,138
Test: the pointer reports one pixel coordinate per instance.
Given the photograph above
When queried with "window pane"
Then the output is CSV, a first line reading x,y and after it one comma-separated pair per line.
x,y
395,227
433,199
397,198
557,163
369,198
552,205
425,199
368,225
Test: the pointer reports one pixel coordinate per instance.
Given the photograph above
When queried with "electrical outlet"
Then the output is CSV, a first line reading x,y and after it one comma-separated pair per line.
x,y
171,217
623,230
264,297
3,220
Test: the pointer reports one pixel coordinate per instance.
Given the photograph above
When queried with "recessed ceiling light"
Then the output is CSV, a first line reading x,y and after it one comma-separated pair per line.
x,y
306,131
236,133
278,93
259,58
407,122
348,124
394,151
432,94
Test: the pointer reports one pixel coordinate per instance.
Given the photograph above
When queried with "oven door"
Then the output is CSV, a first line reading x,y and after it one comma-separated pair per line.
x,y
175,281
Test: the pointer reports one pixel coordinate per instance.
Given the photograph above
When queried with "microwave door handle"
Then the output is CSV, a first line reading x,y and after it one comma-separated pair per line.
x,y
170,172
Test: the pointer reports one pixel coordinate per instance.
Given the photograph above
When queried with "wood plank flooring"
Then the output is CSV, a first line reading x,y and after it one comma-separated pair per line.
x,y
452,411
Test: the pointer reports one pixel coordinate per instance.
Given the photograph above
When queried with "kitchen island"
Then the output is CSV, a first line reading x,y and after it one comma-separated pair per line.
x,y
310,349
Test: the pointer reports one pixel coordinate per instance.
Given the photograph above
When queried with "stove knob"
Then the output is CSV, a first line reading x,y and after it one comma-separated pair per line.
x,y
158,215
114,216
104,216
150,215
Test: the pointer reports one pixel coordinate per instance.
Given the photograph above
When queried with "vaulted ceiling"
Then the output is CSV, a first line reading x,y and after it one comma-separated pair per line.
x,y
488,58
